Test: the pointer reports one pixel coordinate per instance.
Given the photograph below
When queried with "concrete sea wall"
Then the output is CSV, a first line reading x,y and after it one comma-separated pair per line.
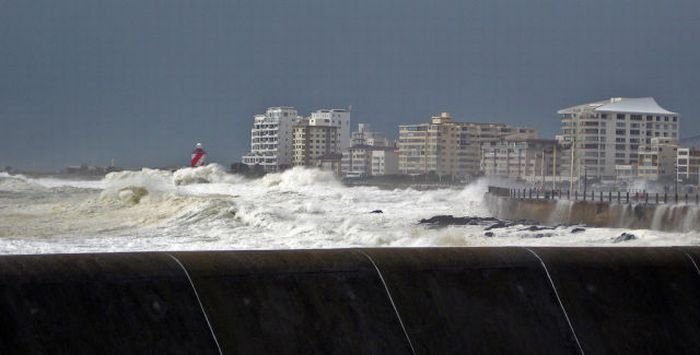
x,y
670,217
355,301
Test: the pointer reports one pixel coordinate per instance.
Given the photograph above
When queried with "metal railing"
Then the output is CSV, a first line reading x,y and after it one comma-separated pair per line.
x,y
607,196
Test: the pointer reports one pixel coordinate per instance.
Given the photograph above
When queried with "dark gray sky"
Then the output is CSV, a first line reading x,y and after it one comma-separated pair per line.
x,y
142,81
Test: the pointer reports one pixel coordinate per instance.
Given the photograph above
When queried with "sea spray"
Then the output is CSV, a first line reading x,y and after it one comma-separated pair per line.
x,y
561,212
657,221
207,208
212,173
298,177
19,183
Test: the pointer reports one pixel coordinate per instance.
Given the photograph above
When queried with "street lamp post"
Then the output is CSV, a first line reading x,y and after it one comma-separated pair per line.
x,y
585,180
675,181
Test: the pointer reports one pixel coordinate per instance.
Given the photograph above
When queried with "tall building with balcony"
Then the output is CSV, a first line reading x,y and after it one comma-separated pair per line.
x,y
532,160
334,117
446,147
271,138
604,136
385,161
688,165
312,142
657,160
366,160
365,136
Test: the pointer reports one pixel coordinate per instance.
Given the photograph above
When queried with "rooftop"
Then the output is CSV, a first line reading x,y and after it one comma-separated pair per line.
x,y
624,104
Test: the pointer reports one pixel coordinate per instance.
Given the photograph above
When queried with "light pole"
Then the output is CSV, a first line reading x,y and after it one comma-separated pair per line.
x,y
542,170
675,180
554,166
571,165
585,180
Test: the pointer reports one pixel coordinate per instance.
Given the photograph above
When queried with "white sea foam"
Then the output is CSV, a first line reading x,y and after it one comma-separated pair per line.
x,y
206,208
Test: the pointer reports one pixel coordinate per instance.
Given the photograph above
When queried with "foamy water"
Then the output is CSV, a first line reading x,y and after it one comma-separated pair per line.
x,y
206,208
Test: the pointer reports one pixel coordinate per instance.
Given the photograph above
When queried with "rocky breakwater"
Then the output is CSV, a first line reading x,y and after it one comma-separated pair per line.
x,y
663,217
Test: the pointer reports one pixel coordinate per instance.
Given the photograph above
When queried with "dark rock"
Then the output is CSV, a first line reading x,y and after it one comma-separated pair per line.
x,y
539,235
578,230
624,237
497,225
449,220
377,211
489,234
536,228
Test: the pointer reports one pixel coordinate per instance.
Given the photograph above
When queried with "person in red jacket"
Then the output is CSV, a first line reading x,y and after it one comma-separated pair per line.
x,y
198,156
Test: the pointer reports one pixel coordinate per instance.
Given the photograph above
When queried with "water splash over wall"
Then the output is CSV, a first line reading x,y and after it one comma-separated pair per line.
x,y
672,218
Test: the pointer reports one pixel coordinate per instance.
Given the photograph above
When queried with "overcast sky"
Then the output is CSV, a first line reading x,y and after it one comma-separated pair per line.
x,y
142,81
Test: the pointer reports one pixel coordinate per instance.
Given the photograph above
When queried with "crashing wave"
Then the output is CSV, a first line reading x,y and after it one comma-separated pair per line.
x,y
132,195
212,173
150,180
299,177
18,183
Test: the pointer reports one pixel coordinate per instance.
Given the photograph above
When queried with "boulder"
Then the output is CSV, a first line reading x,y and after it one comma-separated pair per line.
x,y
449,220
624,237
536,228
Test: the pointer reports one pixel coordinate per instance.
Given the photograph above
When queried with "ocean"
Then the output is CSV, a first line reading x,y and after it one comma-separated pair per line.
x,y
207,208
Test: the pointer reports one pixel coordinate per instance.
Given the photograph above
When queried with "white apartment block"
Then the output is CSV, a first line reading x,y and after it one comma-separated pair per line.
x,y
365,160
688,163
624,172
334,117
331,162
608,133
365,136
313,142
532,160
452,148
356,161
271,138
384,162
657,160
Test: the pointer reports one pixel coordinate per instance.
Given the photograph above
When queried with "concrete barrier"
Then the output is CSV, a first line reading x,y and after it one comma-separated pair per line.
x,y
382,301
629,301
99,304
301,302
672,218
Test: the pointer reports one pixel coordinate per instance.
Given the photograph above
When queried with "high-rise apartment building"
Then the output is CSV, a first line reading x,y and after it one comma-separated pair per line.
x,y
367,160
657,160
271,138
385,161
445,147
605,134
312,142
533,160
334,117
365,136
688,165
